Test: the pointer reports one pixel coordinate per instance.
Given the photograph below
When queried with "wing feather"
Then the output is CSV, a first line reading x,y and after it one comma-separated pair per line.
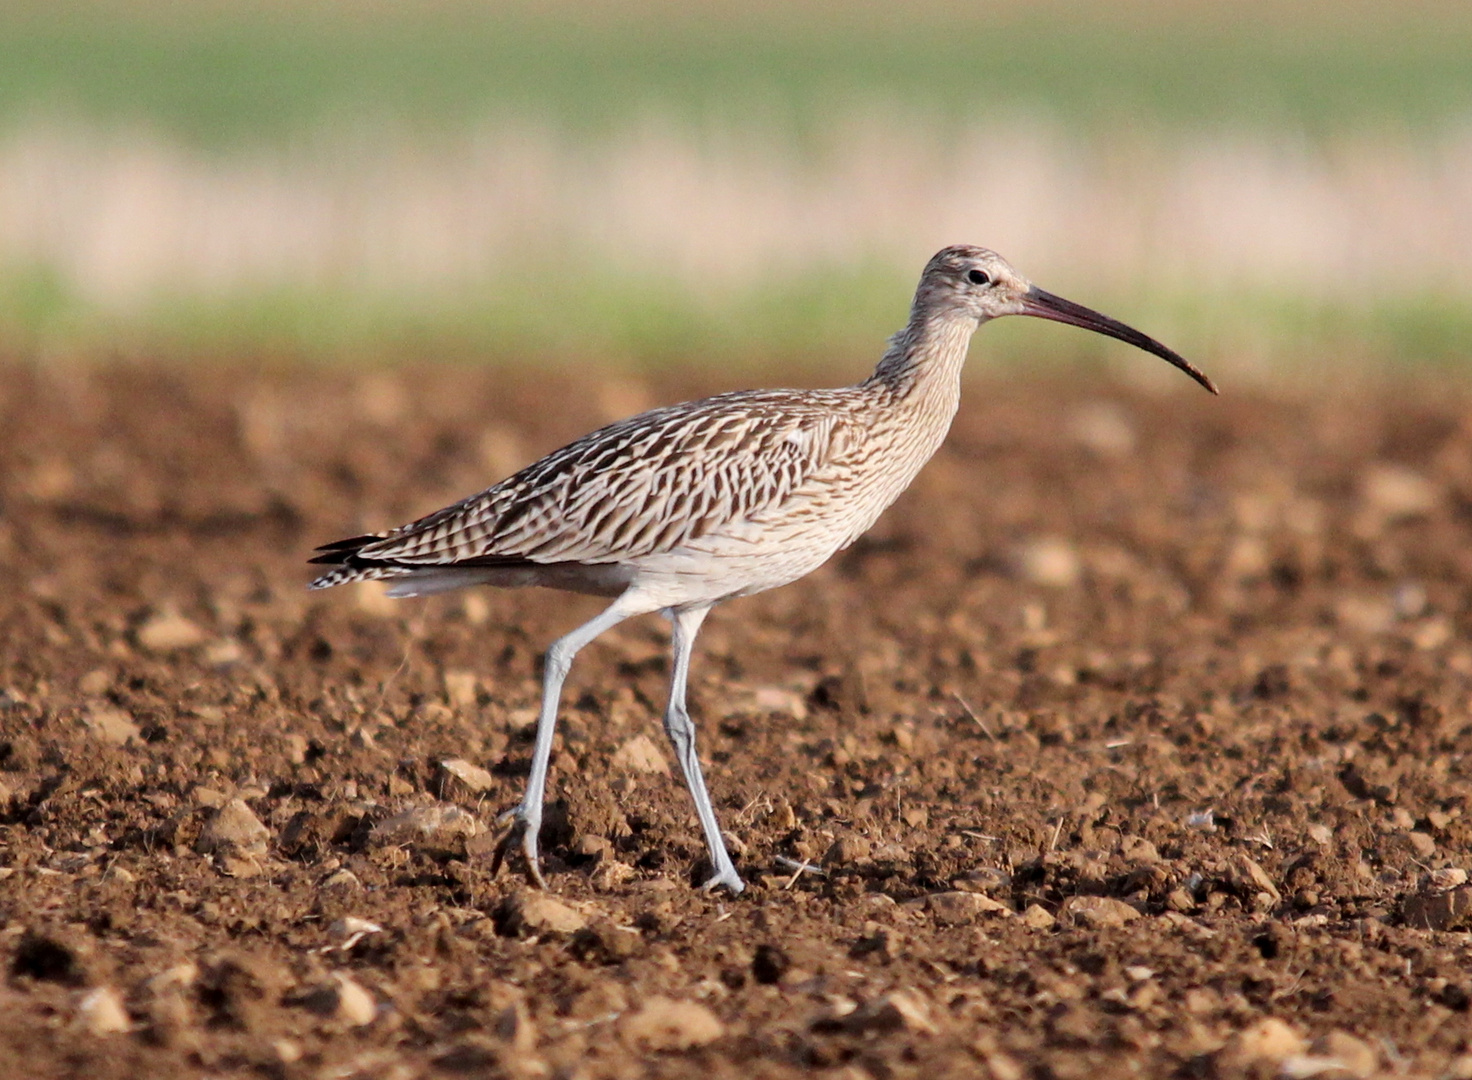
x,y
639,487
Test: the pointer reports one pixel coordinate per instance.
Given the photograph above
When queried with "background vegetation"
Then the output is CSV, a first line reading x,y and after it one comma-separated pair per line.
x,y
1260,182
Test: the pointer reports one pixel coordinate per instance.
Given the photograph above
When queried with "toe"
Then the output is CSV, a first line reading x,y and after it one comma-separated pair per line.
x,y
730,881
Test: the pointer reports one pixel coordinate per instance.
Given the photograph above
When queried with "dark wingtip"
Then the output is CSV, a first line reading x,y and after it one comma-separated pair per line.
x,y
340,551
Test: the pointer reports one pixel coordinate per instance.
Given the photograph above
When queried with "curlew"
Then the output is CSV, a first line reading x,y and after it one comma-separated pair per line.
x,y
680,508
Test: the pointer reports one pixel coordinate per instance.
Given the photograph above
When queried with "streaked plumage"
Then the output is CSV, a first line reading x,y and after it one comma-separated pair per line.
x,y
681,507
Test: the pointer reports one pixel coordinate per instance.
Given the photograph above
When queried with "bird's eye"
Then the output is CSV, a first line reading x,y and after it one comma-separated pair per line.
x,y
978,277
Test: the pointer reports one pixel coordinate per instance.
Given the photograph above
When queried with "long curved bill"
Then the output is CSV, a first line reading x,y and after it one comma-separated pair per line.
x,y
1045,305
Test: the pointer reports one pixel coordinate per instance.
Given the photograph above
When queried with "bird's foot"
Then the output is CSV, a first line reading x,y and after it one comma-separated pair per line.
x,y
513,823
727,878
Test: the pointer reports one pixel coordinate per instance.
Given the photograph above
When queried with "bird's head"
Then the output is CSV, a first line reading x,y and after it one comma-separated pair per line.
x,y
976,283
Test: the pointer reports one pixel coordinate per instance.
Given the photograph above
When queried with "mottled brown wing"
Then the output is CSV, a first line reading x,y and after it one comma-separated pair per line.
x,y
638,487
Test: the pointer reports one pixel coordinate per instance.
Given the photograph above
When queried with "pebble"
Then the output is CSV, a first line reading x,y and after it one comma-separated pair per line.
x,y
899,1010
537,913
233,830
984,879
111,725
296,747
1347,1052
436,824
666,1024
955,908
1422,844
475,779
1438,910
167,631
1099,912
341,879
1268,1040
101,1012
1050,561
1038,918
462,689
1248,876
342,999
1395,492
1448,877
641,755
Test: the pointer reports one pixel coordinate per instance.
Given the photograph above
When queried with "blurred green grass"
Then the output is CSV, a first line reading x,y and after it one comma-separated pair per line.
x,y
222,78
219,75
834,320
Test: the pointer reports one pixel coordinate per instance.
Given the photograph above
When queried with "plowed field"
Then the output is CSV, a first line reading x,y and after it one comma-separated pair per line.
x,y
1132,742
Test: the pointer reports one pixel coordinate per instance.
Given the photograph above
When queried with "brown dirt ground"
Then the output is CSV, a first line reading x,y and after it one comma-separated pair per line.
x,y
1133,742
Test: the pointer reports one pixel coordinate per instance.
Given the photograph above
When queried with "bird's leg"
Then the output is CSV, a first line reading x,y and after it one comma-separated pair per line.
x,y
686,624
526,817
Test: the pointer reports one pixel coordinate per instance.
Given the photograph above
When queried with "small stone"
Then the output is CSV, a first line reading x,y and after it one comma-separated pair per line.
x,y
955,908
1366,614
111,725
847,849
665,1024
1038,918
1049,561
234,830
237,866
899,1010
592,847
1249,877
780,700
640,755
101,1012
209,797
1099,912
167,631
462,689
342,999
1394,492
95,683
1439,910
223,653
1180,900
1268,1040
1448,877
436,826
537,913
341,879
1422,844
1139,851
296,747
1320,834
984,879
1351,1053
472,777
602,942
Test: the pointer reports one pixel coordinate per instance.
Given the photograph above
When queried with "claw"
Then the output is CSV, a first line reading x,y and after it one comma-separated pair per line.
x,y
731,881
513,823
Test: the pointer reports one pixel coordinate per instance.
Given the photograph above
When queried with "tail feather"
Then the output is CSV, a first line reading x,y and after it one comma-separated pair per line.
x,y
341,551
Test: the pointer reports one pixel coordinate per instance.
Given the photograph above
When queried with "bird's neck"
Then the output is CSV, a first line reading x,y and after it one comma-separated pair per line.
x,y
924,360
